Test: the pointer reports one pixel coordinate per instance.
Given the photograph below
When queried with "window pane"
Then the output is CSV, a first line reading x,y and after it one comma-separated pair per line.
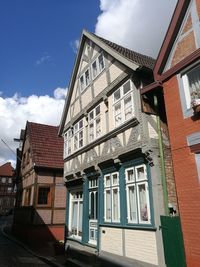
x,y
117,95
126,87
87,77
141,175
80,218
82,82
80,124
98,110
74,218
115,179
117,108
128,102
98,127
43,194
75,141
101,62
107,180
96,202
91,131
130,175
132,212
143,202
94,69
115,205
92,205
194,81
108,205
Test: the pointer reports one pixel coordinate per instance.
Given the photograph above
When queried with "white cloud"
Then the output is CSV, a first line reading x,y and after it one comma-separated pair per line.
x,y
43,59
75,45
137,24
60,93
16,110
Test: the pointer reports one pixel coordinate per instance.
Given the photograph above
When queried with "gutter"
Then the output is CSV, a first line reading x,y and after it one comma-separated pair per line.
x,y
163,170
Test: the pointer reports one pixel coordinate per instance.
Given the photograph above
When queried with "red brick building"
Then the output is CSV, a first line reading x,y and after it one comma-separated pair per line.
x,y
7,194
41,194
177,73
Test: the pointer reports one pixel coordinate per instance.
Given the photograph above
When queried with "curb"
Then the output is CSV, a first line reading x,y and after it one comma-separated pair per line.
x,y
21,244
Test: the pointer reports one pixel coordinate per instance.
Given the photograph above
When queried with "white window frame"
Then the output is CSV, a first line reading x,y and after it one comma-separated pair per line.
x,y
67,143
98,66
79,200
86,82
111,187
136,182
77,133
121,102
93,121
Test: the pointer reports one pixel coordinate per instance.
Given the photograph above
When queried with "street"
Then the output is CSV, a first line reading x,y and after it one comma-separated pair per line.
x,y
13,255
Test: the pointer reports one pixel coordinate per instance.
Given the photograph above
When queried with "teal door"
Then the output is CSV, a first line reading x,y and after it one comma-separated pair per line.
x,y
173,241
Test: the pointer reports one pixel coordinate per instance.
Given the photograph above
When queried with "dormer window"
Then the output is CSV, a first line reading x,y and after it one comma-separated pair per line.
x,y
123,104
98,65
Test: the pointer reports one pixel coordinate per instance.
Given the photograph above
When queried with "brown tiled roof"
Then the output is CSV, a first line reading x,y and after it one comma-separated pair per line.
x,y
137,58
6,170
46,146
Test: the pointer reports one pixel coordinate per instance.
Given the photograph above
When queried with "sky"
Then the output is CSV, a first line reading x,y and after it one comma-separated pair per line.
x,y
39,42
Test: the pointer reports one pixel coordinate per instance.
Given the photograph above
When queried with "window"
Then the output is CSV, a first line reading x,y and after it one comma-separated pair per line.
x,y
98,65
137,195
76,208
191,84
123,104
10,180
111,198
44,196
84,80
67,143
94,123
78,135
3,180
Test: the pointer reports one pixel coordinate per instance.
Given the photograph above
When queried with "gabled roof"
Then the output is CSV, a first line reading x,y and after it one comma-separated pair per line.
x,y
129,58
170,36
137,58
6,170
46,146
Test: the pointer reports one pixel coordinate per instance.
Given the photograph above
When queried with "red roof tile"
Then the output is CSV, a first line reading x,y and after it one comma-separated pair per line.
x,y
6,170
46,145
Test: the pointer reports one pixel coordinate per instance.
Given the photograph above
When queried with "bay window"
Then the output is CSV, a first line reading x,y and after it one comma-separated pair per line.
x,y
111,198
137,195
123,103
94,123
78,135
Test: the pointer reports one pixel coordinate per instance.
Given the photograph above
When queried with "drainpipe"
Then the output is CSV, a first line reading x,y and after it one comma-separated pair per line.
x,y
162,163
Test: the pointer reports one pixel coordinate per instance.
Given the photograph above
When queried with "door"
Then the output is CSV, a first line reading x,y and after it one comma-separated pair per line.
x,y
173,241
93,210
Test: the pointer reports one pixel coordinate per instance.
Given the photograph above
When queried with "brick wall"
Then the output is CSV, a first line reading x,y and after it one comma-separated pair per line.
x,y
185,170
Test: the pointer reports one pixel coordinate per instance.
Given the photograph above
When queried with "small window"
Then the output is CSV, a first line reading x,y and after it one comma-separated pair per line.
x,y
3,180
94,123
44,196
78,135
98,65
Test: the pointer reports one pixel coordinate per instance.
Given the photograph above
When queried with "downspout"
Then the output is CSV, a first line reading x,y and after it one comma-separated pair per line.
x,y
162,163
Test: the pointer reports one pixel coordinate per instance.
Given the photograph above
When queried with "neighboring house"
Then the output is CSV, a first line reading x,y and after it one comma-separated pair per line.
x,y
7,186
112,166
177,73
41,198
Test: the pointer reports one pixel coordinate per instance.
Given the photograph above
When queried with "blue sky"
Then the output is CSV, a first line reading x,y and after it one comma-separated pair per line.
x,y
36,42
38,50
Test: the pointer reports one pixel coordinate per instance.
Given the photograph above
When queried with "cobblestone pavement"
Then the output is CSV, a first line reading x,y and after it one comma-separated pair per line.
x,y
13,255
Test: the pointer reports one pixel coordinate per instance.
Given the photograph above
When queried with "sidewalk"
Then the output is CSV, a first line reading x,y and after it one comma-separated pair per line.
x,y
45,251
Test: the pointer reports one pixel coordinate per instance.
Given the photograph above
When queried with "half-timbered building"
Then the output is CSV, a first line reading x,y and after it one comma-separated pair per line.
x,y
112,165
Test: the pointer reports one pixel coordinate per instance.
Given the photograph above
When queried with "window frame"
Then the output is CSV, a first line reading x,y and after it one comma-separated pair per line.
x,y
49,197
67,143
79,201
110,188
98,68
121,101
94,122
86,82
136,183
77,132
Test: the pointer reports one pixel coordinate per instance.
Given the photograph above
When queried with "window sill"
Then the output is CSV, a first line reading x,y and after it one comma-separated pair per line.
x,y
146,227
